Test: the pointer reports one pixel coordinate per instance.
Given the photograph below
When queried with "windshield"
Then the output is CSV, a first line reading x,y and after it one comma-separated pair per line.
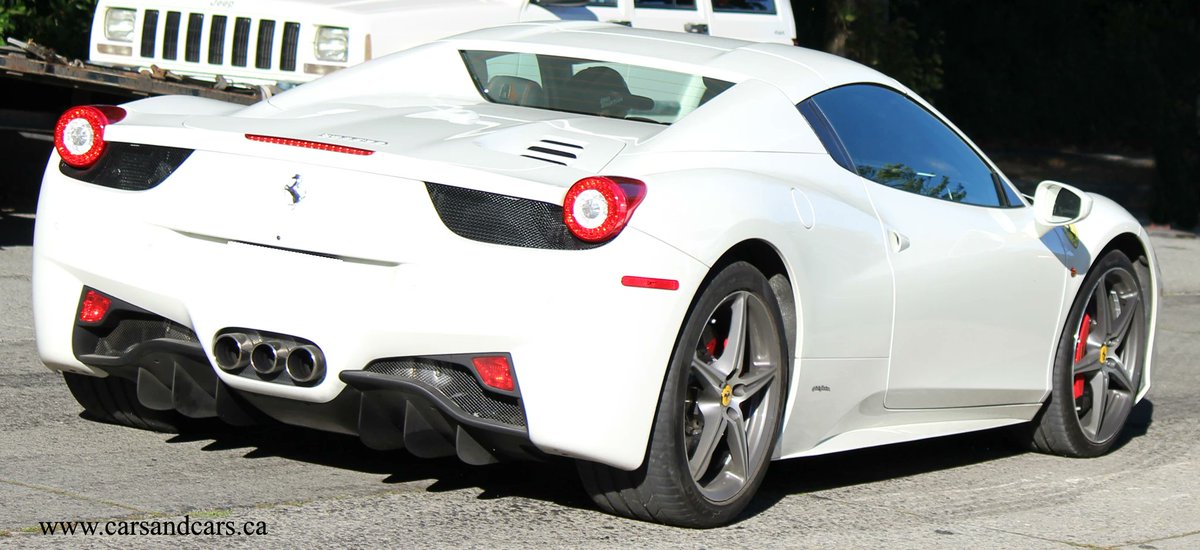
x,y
601,88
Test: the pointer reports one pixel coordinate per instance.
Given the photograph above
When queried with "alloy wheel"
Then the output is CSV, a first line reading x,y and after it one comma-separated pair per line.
x,y
1108,350
733,393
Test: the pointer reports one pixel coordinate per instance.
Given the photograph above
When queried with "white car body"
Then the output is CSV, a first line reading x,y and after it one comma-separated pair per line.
x,y
279,42
891,290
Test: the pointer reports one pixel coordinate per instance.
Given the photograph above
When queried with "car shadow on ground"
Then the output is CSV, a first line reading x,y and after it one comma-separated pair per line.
x,y
15,230
876,464
553,480
556,481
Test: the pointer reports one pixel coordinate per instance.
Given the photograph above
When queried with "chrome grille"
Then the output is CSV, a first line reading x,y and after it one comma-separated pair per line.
x,y
241,40
216,40
291,42
266,34
203,37
191,51
170,49
149,32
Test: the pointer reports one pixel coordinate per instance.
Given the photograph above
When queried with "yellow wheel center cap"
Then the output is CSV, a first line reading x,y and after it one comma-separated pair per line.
x,y
726,395
1103,354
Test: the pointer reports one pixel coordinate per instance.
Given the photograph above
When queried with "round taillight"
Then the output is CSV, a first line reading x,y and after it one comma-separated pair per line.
x,y
597,208
79,134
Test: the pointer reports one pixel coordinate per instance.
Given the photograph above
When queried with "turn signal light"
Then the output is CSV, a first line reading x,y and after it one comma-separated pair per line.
x,y
94,307
597,208
495,372
79,133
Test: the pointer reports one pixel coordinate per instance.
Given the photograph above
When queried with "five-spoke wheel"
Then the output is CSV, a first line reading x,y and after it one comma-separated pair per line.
x,y
718,415
731,396
1098,368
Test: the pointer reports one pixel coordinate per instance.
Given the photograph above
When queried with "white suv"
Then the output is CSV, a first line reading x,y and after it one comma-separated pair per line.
x,y
291,41
754,20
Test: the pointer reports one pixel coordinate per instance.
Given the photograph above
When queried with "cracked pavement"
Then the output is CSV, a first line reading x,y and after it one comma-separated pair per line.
x,y
313,489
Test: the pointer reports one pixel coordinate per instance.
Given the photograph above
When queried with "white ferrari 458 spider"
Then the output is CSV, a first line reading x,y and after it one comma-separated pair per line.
x,y
672,258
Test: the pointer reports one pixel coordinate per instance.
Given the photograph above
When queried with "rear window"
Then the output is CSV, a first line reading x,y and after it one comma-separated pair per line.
x,y
601,88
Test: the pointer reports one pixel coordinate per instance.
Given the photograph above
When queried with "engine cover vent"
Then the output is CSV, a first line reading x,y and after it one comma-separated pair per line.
x,y
554,151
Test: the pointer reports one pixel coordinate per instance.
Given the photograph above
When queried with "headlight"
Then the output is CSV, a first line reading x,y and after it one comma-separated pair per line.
x,y
332,43
118,24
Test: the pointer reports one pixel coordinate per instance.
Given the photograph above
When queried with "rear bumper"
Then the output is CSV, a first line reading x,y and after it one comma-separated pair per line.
x,y
386,412
589,353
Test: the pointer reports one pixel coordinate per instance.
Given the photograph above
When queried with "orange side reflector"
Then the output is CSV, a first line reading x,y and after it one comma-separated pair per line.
x,y
647,282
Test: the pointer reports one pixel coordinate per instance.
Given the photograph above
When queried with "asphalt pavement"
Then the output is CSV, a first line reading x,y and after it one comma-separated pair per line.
x,y
296,488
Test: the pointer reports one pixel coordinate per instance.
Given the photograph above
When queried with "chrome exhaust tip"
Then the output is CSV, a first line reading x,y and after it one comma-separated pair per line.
x,y
306,364
269,357
232,350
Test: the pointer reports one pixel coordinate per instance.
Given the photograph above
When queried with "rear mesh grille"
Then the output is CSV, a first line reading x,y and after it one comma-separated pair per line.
x,y
131,167
501,219
457,384
129,332
171,36
149,32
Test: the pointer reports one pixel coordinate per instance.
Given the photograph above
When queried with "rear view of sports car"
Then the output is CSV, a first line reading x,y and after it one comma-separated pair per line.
x,y
671,258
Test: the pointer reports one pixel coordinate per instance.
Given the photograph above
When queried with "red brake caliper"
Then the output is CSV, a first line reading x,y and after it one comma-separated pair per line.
x,y
1085,328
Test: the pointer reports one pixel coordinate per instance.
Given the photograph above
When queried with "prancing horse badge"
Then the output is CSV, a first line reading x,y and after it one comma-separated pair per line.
x,y
295,190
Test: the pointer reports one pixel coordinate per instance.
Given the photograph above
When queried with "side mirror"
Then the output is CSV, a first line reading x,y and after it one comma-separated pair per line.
x,y
1057,204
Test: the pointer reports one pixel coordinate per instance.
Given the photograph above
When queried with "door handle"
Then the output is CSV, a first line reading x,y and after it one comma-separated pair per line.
x,y
899,242
620,22
698,28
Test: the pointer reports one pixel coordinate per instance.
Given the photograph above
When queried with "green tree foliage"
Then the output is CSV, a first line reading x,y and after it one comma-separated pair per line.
x,y
890,35
1119,75
60,24
1099,74
1154,50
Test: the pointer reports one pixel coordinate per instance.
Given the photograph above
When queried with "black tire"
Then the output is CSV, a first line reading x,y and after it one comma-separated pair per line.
x,y
114,400
1098,364
664,489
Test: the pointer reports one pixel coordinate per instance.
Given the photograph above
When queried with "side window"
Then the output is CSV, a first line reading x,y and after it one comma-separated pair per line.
x,y
895,142
744,6
666,4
